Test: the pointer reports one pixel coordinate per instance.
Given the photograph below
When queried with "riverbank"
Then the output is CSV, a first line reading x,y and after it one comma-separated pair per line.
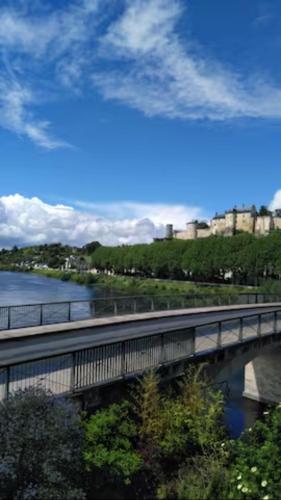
x,y
142,286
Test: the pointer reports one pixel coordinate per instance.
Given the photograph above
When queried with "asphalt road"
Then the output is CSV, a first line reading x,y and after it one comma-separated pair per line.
x,y
48,344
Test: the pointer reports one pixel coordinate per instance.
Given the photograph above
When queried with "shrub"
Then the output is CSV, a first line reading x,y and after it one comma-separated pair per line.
x,y
40,447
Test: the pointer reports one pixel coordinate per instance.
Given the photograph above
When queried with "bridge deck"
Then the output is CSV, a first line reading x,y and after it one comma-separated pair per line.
x,y
44,341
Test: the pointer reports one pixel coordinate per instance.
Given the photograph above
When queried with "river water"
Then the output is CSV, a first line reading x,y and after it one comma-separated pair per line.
x,y
25,288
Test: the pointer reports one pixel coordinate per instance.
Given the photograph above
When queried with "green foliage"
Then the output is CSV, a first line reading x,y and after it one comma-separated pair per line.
x,y
255,460
204,477
83,278
52,255
40,448
109,445
248,258
173,426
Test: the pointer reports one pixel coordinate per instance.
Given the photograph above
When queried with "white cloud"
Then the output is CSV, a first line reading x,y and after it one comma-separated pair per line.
x,y
168,77
32,221
32,43
14,99
276,201
131,50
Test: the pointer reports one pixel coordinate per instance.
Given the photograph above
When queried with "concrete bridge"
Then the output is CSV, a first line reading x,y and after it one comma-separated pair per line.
x,y
76,356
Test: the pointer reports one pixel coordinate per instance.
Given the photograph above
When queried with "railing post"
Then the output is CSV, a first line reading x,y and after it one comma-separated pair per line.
x,y
9,317
162,355
168,304
241,329
275,322
7,388
193,346
92,308
69,311
72,375
152,305
135,306
256,298
123,364
41,314
115,307
259,325
219,334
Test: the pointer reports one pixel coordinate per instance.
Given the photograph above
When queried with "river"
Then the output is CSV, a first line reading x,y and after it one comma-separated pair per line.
x,y
26,288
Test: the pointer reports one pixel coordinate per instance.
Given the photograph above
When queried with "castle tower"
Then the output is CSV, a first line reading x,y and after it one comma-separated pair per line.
x,y
169,231
191,230
230,222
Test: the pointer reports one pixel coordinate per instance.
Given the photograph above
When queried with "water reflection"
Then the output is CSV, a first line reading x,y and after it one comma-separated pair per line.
x,y
25,288
240,413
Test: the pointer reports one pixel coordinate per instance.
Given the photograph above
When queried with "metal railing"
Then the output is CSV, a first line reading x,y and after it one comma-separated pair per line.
x,y
108,362
28,315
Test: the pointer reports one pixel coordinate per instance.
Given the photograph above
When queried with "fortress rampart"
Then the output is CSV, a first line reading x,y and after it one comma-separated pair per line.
x,y
231,222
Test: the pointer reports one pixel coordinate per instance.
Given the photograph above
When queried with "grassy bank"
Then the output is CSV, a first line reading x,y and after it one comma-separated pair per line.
x,y
80,278
145,286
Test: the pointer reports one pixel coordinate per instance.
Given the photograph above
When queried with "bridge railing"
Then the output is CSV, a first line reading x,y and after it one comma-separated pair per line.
x,y
104,363
28,315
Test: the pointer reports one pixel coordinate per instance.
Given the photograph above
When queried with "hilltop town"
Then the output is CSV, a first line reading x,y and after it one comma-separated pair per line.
x,y
231,222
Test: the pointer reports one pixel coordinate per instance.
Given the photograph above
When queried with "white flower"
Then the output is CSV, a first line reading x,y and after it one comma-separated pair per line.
x,y
239,477
222,445
254,469
266,497
264,483
250,429
266,413
245,489
239,486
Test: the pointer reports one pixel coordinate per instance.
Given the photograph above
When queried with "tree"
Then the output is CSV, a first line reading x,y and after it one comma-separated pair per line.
x,y
109,453
40,447
264,211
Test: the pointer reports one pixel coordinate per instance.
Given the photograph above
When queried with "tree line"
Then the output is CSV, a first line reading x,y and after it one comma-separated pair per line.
x,y
241,259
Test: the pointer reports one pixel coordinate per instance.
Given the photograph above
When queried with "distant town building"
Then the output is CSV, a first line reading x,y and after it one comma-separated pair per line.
x,y
238,219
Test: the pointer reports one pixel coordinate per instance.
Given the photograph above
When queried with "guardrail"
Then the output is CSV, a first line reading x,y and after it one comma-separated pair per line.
x,y
108,362
29,315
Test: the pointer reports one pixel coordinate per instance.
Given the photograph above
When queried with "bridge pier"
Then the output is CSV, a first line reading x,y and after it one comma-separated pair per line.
x,y
263,377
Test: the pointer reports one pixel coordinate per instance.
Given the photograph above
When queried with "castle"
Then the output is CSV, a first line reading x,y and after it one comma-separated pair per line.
x,y
241,219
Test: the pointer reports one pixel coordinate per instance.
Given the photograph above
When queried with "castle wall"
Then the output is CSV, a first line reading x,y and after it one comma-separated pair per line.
x,y
264,224
203,233
245,222
230,221
277,222
218,226
234,220
184,235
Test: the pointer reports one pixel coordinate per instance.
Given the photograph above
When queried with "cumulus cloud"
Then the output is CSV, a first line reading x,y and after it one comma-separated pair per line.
x,y
276,201
131,51
25,221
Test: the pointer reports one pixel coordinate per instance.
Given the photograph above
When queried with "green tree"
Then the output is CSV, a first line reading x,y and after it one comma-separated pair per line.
x,y
109,451
40,448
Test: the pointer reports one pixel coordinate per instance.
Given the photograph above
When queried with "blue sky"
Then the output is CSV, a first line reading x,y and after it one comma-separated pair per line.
x,y
119,116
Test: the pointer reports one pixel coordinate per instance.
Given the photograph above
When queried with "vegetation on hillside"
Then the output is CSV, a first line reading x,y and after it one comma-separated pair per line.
x,y
158,443
52,255
241,259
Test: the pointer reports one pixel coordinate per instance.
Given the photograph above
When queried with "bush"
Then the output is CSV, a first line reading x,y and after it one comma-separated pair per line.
x,y
255,460
40,447
109,446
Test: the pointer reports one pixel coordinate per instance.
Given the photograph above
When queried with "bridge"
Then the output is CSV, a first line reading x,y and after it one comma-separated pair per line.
x,y
75,347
